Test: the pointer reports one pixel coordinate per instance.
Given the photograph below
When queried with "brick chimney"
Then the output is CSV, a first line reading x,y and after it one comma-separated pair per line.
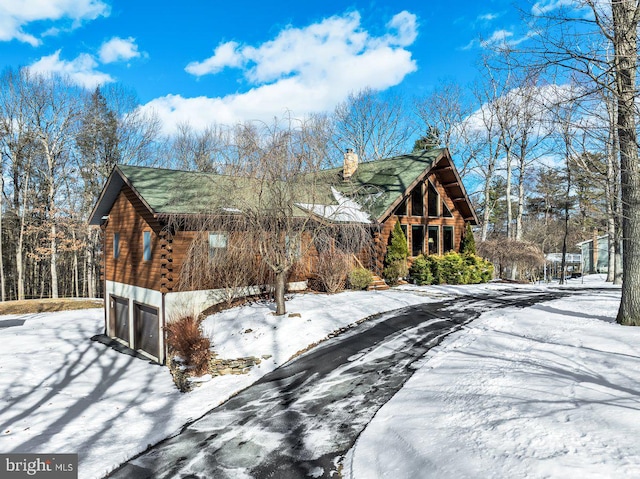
x,y
350,164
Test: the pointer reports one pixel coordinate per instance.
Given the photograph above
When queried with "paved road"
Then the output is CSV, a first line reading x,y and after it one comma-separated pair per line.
x,y
299,420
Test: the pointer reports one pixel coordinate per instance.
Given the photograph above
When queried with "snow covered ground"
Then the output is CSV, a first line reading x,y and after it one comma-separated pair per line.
x,y
551,390
62,393
547,391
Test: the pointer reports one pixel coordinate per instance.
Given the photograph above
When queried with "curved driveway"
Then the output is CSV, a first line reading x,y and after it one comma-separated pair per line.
x,y
299,420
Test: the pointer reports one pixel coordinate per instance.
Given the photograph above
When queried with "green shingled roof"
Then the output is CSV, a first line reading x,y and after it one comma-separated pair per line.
x,y
180,192
378,184
375,185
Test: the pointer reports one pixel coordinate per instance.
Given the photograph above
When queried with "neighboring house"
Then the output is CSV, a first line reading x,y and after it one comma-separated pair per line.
x,y
143,254
595,259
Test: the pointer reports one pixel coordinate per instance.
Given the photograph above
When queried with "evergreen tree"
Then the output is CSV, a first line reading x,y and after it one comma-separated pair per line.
x,y
429,141
397,249
468,243
396,258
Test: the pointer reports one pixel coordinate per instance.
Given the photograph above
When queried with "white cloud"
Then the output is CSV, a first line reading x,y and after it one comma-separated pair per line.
x,y
81,71
225,55
406,27
546,6
488,17
119,49
15,15
302,70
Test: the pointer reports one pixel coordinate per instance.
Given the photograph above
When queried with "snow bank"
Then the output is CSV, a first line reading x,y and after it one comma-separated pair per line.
x,y
548,391
62,393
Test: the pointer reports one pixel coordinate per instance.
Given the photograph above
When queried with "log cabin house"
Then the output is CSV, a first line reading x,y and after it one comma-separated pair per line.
x,y
143,257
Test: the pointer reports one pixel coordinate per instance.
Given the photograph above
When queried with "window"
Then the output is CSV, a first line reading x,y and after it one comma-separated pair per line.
x,y
446,212
417,240
401,210
293,246
146,245
447,238
217,242
417,201
404,231
434,240
116,245
433,199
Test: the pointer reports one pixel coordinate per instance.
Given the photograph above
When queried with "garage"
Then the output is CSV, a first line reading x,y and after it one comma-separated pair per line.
x,y
146,329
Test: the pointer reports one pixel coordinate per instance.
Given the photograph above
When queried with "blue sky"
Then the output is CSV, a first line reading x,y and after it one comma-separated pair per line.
x,y
206,60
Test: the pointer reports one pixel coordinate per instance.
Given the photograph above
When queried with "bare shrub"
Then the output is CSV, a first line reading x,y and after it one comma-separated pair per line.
x,y
332,268
507,253
186,340
231,270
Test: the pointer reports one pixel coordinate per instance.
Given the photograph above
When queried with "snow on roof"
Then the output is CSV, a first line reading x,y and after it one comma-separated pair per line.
x,y
345,211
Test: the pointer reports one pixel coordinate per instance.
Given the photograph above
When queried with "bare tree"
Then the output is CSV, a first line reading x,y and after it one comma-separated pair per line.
x,y
375,127
269,215
446,110
580,43
53,110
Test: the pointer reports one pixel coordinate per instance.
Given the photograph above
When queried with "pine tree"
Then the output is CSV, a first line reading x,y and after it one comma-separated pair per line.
x,y
397,249
396,258
468,242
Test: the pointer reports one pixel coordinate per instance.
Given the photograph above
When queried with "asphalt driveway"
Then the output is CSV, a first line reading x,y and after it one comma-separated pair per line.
x,y
299,420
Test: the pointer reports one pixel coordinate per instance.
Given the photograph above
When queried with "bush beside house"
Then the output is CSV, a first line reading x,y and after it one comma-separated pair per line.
x,y
395,260
452,268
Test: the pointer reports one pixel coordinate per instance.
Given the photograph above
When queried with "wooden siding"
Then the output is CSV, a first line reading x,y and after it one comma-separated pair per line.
x,y
130,218
457,221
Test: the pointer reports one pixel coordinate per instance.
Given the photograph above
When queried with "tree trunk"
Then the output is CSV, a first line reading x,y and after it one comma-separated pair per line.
x,y
2,280
507,195
54,260
76,273
625,22
486,214
281,284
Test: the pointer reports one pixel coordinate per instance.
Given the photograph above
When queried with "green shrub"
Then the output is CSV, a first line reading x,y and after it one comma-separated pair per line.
x,y
360,278
452,268
435,264
393,272
420,270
